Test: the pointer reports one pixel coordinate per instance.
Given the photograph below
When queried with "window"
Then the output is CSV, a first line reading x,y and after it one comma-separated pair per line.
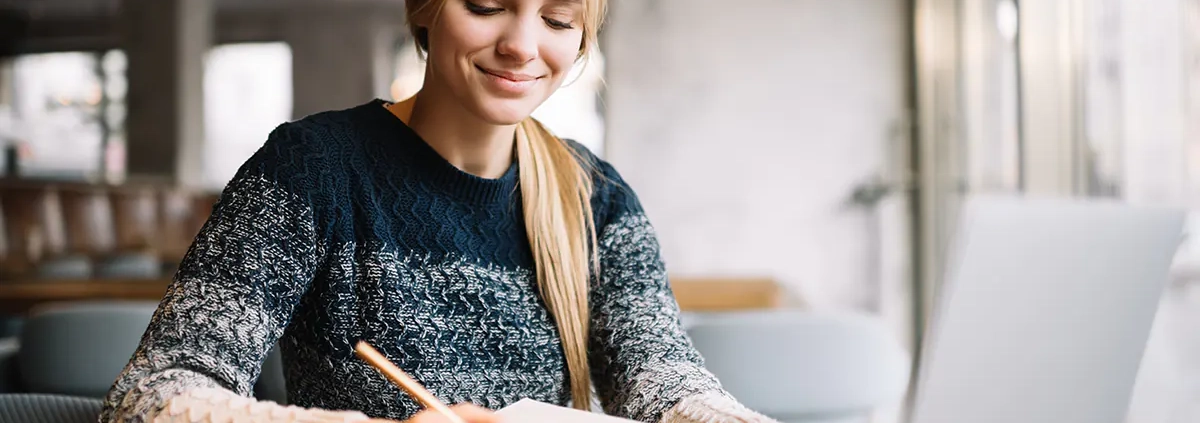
x,y
61,110
991,112
64,113
247,93
114,65
1101,155
1192,72
1140,74
573,111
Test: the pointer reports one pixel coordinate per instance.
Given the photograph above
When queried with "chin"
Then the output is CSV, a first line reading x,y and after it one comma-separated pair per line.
x,y
504,111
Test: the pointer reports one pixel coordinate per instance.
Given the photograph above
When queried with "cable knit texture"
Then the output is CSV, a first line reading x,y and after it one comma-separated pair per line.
x,y
346,226
209,405
713,407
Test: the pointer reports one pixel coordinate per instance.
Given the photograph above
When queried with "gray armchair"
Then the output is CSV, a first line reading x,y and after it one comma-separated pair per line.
x,y
804,367
78,349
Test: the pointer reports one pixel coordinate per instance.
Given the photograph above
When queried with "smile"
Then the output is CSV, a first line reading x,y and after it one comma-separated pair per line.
x,y
508,84
511,76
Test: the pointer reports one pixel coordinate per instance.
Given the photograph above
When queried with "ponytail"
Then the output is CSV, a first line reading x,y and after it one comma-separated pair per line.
x,y
556,191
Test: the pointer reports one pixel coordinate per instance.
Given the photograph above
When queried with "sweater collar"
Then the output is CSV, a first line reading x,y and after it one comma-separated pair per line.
x,y
401,138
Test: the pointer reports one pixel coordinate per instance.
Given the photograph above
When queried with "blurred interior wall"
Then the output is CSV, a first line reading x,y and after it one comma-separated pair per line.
x,y
341,59
166,42
746,127
1155,61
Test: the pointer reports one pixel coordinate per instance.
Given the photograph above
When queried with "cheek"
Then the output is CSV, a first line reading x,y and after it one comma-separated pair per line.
x,y
458,38
562,54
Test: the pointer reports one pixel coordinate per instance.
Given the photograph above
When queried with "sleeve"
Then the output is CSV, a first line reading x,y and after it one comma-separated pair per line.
x,y
231,298
643,363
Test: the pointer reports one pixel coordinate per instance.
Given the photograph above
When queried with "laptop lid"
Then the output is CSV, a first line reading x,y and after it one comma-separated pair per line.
x,y
1045,312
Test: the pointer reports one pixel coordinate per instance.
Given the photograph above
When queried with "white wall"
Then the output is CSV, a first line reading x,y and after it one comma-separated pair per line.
x,y
1157,150
744,127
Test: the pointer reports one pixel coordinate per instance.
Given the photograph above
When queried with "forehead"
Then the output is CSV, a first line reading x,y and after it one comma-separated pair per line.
x,y
545,2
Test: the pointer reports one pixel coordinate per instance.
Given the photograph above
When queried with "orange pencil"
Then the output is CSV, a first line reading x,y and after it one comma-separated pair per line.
x,y
404,381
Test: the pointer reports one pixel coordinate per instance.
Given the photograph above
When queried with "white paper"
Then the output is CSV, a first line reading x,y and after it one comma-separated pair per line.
x,y
530,411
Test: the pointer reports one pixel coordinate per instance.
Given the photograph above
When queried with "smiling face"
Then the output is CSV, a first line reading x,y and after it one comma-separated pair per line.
x,y
500,59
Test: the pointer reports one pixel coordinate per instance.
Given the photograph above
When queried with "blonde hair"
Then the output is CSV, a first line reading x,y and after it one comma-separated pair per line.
x,y
556,190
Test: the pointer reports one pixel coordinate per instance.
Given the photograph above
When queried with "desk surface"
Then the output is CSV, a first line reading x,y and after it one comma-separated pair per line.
x,y
693,294
18,297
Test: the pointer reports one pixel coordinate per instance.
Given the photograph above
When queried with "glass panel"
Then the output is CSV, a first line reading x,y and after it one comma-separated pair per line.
x,y
990,84
1140,142
1102,115
247,93
1192,59
8,115
574,110
114,65
56,112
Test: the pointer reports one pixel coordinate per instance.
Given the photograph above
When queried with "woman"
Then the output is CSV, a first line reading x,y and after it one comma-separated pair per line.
x,y
487,257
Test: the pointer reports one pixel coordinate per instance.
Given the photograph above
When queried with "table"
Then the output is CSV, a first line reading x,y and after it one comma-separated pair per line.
x,y
18,297
699,294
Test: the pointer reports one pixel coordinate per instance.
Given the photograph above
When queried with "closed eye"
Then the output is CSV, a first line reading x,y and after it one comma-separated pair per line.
x,y
557,24
481,10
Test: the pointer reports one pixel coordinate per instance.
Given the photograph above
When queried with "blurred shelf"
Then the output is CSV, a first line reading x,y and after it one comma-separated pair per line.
x,y
693,294
18,297
705,294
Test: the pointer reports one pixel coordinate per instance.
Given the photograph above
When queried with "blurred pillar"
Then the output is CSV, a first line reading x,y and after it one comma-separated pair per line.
x,y
1050,132
341,57
165,41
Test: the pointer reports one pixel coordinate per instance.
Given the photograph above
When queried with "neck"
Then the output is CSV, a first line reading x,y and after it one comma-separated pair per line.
x,y
470,144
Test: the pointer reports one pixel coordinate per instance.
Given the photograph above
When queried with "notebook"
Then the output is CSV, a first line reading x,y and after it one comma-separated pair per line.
x,y
530,411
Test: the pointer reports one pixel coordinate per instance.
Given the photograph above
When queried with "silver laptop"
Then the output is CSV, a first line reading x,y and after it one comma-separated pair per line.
x,y
1045,313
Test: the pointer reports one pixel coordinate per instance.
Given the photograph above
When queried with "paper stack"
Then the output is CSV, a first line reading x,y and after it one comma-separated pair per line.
x,y
530,411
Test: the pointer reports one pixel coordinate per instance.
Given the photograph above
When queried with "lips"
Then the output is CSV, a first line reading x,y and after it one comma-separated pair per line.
x,y
508,84
511,76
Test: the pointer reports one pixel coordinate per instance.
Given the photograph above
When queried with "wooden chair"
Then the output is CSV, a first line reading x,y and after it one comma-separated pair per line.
x,y
88,220
27,228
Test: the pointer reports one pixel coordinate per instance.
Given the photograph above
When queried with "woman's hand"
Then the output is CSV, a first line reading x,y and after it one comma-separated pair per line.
x,y
470,413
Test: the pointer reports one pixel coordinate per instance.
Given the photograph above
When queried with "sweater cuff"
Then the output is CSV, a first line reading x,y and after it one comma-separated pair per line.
x,y
211,405
712,407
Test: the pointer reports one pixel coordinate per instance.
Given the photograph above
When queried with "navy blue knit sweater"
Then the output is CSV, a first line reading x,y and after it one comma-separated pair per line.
x,y
346,226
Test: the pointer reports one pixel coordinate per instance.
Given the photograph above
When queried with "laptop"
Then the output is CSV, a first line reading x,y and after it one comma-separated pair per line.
x,y
1045,312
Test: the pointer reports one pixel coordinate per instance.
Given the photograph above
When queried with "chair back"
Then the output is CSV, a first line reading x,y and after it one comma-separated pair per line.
x,y
798,366
79,348
45,408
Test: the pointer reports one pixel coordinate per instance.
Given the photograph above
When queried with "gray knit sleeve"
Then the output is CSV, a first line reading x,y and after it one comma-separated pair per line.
x,y
233,294
643,363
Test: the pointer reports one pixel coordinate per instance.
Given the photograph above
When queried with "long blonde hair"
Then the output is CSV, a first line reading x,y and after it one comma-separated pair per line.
x,y
556,190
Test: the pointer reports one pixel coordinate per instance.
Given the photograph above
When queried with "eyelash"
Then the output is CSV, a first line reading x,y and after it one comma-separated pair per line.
x,y
489,11
558,24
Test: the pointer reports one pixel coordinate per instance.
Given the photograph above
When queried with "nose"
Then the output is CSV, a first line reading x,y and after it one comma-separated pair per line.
x,y
519,41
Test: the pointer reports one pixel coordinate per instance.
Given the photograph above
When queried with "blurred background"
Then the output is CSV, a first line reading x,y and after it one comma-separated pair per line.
x,y
806,155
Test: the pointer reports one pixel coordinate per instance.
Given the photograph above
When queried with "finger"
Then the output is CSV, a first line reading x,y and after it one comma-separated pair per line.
x,y
475,414
428,416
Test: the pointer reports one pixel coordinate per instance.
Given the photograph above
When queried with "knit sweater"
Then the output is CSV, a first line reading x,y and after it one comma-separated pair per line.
x,y
347,226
